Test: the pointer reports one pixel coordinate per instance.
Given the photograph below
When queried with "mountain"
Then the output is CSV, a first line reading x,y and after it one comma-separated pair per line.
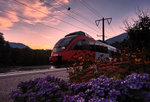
x,y
118,38
17,45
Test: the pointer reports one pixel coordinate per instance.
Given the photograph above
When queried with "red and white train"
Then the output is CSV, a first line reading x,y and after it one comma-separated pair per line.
x,y
79,44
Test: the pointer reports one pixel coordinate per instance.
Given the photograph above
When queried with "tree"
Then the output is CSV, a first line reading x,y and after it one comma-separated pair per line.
x,y
139,31
2,41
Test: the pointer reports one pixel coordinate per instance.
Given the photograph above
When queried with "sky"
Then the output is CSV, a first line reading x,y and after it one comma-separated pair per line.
x,y
39,24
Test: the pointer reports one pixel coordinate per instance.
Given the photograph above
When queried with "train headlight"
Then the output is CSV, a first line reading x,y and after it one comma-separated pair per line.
x,y
63,47
54,50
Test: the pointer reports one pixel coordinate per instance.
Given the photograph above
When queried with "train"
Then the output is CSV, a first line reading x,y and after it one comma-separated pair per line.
x,y
80,44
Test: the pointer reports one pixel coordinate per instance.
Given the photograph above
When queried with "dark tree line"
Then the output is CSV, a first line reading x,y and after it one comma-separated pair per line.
x,y
21,57
138,34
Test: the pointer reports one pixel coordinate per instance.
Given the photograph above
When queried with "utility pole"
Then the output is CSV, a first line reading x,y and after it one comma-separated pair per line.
x,y
103,27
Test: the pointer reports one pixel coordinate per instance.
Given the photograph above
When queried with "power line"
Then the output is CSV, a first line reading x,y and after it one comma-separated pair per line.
x,y
47,14
75,12
95,12
72,17
112,29
38,22
88,7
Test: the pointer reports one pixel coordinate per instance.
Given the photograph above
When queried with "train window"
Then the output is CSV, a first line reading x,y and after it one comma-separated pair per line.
x,y
80,45
85,45
62,44
102,49
76,46
92,48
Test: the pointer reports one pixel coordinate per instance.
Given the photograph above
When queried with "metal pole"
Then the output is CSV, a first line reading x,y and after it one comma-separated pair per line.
x,y
103,26
103,29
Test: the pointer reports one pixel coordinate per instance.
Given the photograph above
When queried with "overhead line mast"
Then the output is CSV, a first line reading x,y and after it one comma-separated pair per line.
x,y
103,21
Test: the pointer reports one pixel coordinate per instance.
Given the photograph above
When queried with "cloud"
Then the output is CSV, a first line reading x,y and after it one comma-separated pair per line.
x,y
40,13
58,2
5,23
36,16
48,15
8,20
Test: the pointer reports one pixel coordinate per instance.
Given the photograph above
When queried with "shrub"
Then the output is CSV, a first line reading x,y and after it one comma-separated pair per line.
x,y
128,62
48,89
135,87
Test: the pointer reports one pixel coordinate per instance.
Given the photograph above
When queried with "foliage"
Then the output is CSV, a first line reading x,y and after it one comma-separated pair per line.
x,y
2,41
134,87
82,71
139,31
4,51
29,57
21,57
125,64
48,89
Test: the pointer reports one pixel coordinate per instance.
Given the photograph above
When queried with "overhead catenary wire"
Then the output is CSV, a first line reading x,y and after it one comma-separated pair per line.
x,y
71,17
38,22
48,15
75,12
89,8
95,12
112,29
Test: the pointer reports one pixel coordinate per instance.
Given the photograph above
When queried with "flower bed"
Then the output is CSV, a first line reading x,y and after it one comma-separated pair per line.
x,y
48,89
118,68
134,87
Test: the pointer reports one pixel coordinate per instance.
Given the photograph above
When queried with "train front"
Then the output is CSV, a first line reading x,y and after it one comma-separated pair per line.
x,y
59,49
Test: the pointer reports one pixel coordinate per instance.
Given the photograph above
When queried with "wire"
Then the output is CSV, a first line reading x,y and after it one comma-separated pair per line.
x,y
88,7
39,22
47,14
76,13
71,17
112,29
95,13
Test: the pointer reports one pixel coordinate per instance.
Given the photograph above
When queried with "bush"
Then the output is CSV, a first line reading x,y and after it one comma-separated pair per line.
x,y
134,87
48,89
127,63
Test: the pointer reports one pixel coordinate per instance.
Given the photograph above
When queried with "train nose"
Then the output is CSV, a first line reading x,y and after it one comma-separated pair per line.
x,y
53,59
56,59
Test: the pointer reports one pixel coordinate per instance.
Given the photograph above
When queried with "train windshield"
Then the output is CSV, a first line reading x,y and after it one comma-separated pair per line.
x,y
62,44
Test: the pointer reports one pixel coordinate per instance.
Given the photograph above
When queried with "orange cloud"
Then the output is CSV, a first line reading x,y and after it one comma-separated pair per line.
x,y
32,16
5,23
9,20
45,15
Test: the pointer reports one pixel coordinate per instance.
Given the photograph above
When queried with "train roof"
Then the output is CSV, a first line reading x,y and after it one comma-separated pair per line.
x,y
111,48
98,42
78,33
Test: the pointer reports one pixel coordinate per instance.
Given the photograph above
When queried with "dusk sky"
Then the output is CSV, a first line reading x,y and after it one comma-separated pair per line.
x,y
39,24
